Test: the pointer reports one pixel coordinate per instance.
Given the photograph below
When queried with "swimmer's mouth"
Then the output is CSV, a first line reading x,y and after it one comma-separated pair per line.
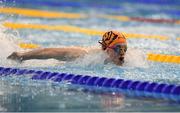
x,y
121,60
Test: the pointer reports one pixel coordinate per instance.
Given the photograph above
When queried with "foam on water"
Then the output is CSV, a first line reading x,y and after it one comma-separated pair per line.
x,y
8,44
9,41
135,58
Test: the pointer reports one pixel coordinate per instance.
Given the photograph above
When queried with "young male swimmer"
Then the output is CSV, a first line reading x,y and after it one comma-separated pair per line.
x,y
113,44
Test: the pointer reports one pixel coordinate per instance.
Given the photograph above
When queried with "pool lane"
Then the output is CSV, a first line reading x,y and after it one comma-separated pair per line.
x,y
40,13
55,15
68,28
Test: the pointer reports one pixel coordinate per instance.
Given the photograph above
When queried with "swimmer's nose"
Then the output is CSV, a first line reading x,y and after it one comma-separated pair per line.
x,y
122,51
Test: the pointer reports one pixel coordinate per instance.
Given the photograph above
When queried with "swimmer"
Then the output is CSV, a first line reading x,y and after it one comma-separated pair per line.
x,y
113,44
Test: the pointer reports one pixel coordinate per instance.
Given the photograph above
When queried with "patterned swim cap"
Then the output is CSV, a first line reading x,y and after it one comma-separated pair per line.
x,y
111,38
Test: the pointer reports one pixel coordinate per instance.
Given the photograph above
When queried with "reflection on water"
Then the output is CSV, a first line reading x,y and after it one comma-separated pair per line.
x,y
47,96
111,102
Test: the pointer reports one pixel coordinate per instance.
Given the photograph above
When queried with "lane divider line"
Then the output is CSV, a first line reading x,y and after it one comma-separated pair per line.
x,y
67,28
52,14
178,38
40,13
163,58
28,45
140,19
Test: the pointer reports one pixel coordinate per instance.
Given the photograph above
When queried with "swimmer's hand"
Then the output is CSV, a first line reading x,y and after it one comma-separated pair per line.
x,y
15,56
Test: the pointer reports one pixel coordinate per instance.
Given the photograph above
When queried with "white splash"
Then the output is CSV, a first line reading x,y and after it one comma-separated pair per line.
x,y
9,40
8,44
93,58
135,58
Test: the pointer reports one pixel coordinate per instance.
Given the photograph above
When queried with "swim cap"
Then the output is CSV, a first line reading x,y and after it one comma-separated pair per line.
x,y
111,38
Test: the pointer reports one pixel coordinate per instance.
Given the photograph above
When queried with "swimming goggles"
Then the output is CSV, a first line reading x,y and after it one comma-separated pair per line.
x,y
119,48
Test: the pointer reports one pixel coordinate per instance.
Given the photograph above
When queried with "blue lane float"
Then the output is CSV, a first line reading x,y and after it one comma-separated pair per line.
x,y
127,87
72,3
94,4
65,3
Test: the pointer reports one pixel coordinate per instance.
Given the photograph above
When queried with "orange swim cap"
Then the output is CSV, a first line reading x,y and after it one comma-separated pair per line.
x,y
111,38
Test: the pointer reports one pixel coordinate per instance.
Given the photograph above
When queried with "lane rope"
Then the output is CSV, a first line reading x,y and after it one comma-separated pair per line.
x,y
28,45
51,14
178,38
39,13
67,28
146,89
70,4
163,58
140,19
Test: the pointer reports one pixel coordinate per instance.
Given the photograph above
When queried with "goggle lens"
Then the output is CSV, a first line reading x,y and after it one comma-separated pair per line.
x,y
119,49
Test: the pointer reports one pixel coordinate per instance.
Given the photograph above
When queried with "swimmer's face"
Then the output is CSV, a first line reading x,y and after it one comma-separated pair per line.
x,y
117,52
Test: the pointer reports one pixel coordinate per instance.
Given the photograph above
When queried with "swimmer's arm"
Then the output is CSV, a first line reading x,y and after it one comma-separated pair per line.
x,y
63,54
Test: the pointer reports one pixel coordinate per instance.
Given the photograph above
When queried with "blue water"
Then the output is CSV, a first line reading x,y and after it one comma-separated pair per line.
x,y
23,94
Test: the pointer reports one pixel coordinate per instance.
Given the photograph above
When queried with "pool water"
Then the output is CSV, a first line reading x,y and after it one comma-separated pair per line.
x,y
22,94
